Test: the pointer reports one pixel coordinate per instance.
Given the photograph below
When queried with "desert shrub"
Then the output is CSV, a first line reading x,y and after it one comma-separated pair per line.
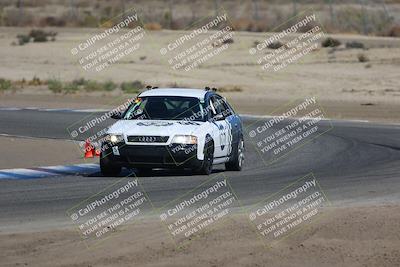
x,y
355,45
35,81
228,41
258,26
1,17
79,82
90,21
132,87
233,88
181,23
242,24
107,11
70,88
330,42
394,31
275,45
255,43
5,84
307,27
92,86
220,42
55,85
41,36
20,83
23,39
153,26
167,20
362,58
176,85
40,39
106,23
38,36
109,86
52,21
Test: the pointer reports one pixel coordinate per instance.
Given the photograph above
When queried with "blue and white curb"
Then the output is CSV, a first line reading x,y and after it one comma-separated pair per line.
x,y
49,171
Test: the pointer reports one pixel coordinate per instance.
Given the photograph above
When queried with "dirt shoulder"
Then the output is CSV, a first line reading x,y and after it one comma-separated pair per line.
x,y
27,152
342,237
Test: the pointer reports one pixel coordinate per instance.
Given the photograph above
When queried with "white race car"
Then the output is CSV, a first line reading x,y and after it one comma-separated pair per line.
x,y
174,128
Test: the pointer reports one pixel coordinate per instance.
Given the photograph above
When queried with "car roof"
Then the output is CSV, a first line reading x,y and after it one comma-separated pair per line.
x,y
185,92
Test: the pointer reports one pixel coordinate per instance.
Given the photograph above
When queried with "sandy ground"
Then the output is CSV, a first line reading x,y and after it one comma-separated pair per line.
x,y
346,87
353,236
35,152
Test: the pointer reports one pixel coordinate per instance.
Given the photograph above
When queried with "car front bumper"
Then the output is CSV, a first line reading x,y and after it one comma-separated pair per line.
x,y
152,156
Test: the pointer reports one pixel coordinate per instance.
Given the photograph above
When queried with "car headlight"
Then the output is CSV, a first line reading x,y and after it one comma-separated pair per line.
x,y
115,138
184,139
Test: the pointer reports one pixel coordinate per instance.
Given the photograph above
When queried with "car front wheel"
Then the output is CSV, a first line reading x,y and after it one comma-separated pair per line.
x,y
145,171
207,164
107,168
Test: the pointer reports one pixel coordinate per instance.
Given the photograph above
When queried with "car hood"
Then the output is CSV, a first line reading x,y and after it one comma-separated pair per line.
x,y
155,127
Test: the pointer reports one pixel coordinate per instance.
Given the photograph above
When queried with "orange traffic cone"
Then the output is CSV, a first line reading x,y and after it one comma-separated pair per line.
x,y
88,150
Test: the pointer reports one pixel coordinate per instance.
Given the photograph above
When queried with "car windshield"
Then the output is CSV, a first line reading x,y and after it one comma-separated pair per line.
x,y
166,108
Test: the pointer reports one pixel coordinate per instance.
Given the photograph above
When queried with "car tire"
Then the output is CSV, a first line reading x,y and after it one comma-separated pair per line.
x,y
145,171
107,168
236,163
207,164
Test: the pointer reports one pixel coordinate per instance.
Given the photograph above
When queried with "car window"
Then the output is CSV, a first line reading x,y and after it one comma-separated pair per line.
x,y
221,106
166,108
228,109
135,111
213,109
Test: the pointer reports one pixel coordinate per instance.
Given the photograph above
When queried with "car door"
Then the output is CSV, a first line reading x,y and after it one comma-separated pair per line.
x,y
235,125
222,129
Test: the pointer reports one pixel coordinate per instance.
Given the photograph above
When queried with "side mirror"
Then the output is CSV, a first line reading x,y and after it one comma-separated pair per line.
x,y
116,116
218,117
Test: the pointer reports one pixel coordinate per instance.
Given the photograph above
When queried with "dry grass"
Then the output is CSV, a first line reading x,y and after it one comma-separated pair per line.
x,y
394,31
230,88
362,58
153,26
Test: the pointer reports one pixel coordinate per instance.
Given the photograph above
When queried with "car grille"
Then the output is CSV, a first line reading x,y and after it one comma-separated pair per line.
x,y
147,139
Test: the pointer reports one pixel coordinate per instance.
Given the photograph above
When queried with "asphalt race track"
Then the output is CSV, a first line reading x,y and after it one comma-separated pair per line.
x,y
354,162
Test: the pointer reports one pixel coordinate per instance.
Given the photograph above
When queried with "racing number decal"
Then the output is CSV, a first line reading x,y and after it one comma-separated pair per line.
x,y
222,136
225,137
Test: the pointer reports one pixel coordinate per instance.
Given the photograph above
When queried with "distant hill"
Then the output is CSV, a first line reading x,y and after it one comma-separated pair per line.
x,y
354,16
